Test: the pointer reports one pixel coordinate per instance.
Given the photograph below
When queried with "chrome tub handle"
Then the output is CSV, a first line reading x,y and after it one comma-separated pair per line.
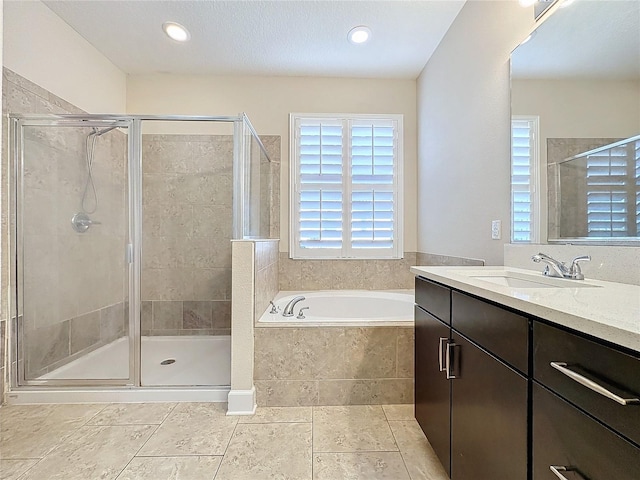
x,y
592,385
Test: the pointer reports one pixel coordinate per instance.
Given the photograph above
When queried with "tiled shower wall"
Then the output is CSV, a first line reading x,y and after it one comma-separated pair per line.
x,y
573,215
74,284
186,234
187,230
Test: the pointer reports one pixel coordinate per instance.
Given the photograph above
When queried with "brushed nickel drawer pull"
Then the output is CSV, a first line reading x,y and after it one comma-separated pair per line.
x,y
442,339
556,469
590,384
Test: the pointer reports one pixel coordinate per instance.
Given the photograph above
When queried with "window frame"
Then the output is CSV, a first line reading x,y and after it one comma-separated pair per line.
x,y
347,252
534,166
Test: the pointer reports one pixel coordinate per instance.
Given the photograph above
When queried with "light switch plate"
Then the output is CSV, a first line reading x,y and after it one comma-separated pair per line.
x,y
496,229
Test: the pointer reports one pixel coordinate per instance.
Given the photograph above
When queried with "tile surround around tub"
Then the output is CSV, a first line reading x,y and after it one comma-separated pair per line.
x,y
301,275
333,365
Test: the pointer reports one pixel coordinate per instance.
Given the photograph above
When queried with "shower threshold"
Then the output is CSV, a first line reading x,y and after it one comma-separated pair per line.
x,y
173,368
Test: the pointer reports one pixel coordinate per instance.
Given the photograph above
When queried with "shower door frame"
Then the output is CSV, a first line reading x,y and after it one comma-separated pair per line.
x,y
16,126
242,126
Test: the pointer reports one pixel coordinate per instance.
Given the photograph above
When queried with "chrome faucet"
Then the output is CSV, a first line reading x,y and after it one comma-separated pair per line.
x,y
288,310
574,270
558,269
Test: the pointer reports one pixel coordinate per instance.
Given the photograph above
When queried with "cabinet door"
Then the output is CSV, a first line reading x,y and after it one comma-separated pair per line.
x,y
565,437
432,390
488,416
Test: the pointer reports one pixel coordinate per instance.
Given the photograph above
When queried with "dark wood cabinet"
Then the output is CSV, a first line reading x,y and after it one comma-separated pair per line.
x,y
471,405
432,389
564,437
501,331
494,404
617,371
488,416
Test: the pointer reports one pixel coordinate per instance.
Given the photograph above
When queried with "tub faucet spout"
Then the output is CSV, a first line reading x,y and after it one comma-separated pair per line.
x,y
288,310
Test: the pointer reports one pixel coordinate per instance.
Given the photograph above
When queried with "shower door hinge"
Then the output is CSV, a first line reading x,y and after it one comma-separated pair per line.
x,y
128,254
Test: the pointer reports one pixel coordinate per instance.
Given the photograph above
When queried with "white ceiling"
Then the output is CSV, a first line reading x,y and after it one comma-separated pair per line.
x,y
587,39
257,37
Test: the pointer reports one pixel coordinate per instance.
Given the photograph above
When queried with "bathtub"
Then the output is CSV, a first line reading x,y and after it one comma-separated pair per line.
x,y
345,308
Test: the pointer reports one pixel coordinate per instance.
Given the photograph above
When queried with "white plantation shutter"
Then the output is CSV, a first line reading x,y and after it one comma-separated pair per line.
x,y
612,191
345,172
524,165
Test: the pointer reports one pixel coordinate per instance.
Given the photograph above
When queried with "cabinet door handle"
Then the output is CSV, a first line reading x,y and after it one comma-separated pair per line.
x,y
440,352
556,469
450,360
590,384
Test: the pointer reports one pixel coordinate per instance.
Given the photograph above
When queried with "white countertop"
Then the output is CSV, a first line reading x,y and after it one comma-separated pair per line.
x,y
609,310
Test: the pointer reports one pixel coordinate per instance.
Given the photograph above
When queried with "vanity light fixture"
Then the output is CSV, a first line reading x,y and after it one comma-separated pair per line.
x,y
176,32
359,35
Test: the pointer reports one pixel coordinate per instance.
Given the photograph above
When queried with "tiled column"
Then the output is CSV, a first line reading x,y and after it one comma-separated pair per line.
x,y
242,397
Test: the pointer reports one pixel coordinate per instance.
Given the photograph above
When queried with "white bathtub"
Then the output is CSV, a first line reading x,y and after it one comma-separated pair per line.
x,y
345,307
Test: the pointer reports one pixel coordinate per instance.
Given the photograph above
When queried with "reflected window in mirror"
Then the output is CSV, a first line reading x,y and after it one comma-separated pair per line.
x,y
580,74
525,198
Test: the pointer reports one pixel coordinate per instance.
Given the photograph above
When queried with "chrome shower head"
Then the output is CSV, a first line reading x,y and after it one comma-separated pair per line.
x,y
99,133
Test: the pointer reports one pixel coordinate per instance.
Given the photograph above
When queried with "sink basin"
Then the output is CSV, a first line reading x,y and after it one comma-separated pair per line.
x,y
511,279
507,281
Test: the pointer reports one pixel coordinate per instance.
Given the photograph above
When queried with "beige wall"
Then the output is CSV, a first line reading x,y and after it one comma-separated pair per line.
x,y
41,47
268,102
464,132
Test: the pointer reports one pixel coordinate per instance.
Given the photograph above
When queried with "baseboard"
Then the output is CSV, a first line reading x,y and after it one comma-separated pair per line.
x,y
242,402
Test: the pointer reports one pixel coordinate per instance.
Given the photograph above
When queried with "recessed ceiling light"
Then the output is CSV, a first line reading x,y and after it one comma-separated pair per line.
x,y
176,31
359,35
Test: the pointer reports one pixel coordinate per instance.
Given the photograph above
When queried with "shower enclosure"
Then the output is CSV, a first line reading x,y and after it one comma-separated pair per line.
x,y
121,247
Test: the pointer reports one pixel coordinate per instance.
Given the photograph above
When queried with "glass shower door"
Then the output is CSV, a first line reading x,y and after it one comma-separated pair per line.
x,y
72,237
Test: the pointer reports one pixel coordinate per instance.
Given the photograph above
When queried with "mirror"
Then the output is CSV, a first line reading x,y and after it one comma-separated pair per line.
x,y
575,84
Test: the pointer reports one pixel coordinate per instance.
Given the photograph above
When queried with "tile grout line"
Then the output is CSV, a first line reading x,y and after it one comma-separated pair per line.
x,y
142,446
225,450
135,454
60,442
400,451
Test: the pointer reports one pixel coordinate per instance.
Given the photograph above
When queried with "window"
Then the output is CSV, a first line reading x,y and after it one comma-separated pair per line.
x,y
346,172
524,179
613,197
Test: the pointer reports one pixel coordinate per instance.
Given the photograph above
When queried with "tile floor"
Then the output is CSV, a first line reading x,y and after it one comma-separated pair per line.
x,y
197,441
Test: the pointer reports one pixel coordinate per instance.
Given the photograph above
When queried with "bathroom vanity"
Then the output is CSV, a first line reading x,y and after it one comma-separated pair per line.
x,y
526,377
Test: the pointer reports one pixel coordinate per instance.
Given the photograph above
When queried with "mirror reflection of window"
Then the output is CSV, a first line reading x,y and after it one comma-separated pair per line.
x,y
580,74
524,179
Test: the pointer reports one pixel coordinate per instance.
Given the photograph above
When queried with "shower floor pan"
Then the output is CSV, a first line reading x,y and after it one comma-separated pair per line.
x,y
166,361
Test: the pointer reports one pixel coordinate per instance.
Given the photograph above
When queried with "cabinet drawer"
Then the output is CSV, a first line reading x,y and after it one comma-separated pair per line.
x,y
563,436
612,369
434,298
503,333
